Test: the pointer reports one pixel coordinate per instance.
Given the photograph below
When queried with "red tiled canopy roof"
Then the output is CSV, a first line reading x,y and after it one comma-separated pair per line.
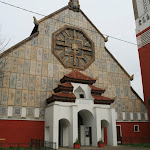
x,y
64,87
64,92
62,96
77,77
96,90
102,100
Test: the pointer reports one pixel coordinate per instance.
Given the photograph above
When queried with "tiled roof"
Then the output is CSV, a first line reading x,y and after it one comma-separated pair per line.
x,y
62,97
66,85
96,88
77,77
102,100
98,97
65,95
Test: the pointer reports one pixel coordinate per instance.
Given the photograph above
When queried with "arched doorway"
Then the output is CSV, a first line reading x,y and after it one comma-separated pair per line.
x,y
86,128
104,130
63,138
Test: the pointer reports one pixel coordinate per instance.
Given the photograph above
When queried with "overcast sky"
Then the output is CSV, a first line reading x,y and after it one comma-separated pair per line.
x,y
111,17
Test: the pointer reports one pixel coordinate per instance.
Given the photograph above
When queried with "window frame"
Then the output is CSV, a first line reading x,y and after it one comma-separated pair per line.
x,y
80,95
138,128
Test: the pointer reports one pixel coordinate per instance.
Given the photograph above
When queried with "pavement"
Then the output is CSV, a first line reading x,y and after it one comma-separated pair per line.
x,y
109,148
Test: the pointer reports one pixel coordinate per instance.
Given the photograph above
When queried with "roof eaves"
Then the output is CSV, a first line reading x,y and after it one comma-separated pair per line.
x,y
18,44
62,9
117,62
53,14
138,95
92,24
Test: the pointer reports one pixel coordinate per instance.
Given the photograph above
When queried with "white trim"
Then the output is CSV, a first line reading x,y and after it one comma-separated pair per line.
x,y
120,129
123,115
23,112
138,128
131,115
10,111
36,113
139,115
116,115
146,116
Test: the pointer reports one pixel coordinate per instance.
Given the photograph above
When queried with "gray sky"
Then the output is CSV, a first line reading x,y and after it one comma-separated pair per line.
x,y
111,17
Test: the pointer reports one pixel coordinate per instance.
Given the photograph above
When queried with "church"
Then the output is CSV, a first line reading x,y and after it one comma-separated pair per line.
x,y
62,84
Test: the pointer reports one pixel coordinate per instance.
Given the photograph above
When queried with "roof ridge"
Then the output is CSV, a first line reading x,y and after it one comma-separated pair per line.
x,y
18,44
76,71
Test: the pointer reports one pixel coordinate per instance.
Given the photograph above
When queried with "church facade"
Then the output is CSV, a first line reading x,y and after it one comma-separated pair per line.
x,y
62,84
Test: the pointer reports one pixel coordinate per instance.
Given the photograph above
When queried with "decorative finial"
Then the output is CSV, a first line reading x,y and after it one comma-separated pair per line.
x,y
96,78
74,5
58,83
106,39
35,21
53,92
132,78
115,98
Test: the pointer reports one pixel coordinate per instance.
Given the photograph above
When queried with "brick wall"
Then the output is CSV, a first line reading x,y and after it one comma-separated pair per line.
x,y
129,136
21,131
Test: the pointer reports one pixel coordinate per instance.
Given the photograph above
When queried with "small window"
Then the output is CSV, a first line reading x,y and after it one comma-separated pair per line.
x,y
81,95
136,128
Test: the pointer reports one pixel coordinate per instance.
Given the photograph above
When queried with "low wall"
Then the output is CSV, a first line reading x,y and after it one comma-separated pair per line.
x,y
18,131
129,136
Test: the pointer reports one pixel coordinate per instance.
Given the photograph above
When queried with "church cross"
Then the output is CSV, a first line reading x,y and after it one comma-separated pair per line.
x,y
75,49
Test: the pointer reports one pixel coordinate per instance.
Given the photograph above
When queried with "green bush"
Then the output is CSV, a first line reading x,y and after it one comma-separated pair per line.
x,y
100,141
77,141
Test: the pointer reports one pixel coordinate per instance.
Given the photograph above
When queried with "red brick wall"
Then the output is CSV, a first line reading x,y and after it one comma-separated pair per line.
x,y
144,55
129,136
15,131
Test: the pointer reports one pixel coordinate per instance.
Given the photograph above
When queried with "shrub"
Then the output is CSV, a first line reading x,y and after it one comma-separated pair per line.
x,y
77,141
100,141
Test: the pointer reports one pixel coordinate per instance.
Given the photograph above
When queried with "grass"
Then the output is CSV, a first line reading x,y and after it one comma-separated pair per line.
x,y
145,145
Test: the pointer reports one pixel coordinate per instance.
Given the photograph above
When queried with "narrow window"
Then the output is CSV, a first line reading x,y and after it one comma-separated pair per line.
x,y
136,128
81,95
140,22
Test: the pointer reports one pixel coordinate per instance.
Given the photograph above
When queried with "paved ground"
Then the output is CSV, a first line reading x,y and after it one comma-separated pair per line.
x,y
109,148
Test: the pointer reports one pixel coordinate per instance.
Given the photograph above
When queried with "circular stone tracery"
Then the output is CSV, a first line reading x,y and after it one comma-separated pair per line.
x,y
73,48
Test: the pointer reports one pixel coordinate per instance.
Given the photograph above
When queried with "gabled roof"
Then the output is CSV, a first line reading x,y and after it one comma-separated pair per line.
x,y
138,96
64,91
52,15
18,45
77,77
67,7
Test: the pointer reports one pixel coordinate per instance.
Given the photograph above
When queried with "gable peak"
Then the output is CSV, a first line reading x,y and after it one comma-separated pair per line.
x,y
74,5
